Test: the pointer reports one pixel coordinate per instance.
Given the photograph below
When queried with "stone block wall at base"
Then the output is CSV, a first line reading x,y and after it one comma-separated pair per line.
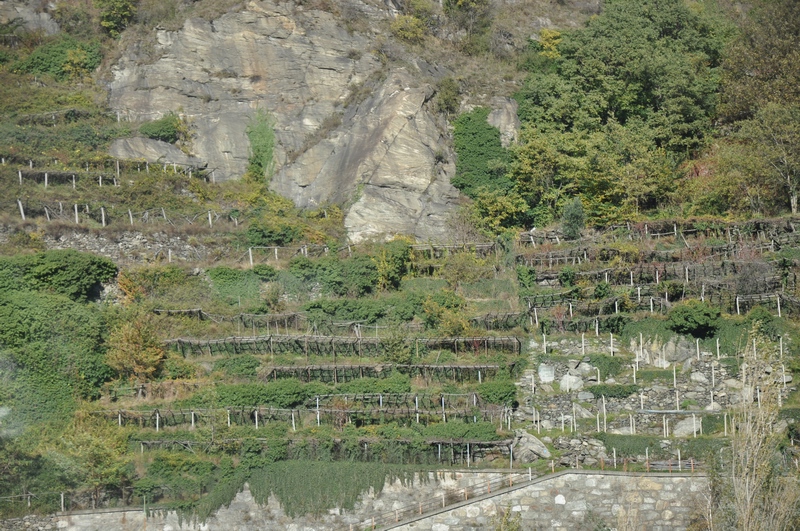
x,y
576,500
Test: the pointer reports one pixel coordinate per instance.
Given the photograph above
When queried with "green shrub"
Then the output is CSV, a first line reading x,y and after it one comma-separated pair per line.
x,y
265,273
763,320
651,375
573,219
477,144
268,234
115,15
63,58
355,277
498,392
602,290
167,129
238,366
336,484
615,324
702,448
613,391
526,276
567,276
235,284
396,383
455,430
694,317
448,95
74,274
408,28
284,393
609,366
261,133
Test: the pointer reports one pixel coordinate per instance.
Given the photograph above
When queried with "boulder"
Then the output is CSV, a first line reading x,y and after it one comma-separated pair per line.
x,y
733,383
528,448
547,373
698,377
570,383
686,427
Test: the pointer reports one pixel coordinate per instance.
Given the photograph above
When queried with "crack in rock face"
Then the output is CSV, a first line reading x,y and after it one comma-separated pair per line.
x,y
375,156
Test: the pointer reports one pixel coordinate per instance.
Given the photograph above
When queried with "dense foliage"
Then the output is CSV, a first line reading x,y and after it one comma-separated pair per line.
x,y
695,318
167,129
70,273
62,58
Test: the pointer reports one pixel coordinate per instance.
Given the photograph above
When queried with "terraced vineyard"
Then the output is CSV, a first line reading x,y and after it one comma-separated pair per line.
x,y
630,348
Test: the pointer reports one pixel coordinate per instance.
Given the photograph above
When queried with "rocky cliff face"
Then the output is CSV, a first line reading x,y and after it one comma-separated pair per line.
x,y
349,129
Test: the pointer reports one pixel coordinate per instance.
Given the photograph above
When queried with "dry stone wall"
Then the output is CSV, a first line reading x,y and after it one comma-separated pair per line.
x,y
574,500
567,500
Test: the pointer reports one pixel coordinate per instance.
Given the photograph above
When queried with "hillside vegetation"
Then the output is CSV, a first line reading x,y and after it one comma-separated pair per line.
x,y
658,160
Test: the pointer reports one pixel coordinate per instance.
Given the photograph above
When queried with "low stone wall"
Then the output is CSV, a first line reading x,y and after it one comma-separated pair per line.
x,y
567,500
573,500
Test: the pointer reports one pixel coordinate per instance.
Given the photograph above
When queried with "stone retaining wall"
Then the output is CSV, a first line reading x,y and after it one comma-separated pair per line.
x,y
567,500
575,500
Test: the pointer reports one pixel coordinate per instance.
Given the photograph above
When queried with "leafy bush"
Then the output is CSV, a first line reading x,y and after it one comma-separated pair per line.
x,y
115,15
62,58
609,366
615,324
481,156
355,277
151,281
498,392
702,448
235,283
239,366
392,261
408,28
265,272
526,276
167,129
602,290
52,350
476,431
573,220
762,319
284,393
613,391
74,274
567,276
448,95
269,233
336,484
261,133
694,317
396,383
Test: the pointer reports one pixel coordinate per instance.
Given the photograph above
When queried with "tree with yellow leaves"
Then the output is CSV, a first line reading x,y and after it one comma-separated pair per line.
x,y
135,350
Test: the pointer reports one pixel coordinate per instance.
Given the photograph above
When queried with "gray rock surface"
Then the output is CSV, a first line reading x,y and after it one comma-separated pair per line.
x,y
504,117
33,18
349,130
547,373
151,151
528,448
687,427
571,383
